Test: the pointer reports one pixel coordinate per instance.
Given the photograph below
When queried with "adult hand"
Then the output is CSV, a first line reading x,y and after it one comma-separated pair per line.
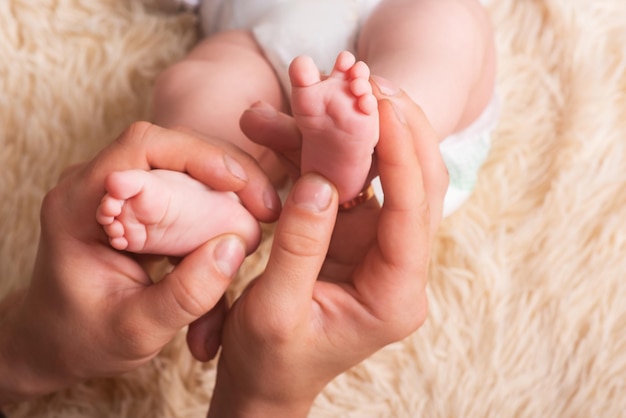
x,y
278,131
327,300
93,311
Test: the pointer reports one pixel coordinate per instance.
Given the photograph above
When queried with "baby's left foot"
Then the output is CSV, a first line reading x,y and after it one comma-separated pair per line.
x,y
338,118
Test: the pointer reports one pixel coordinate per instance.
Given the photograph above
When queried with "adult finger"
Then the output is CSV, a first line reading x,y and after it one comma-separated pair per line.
x,y
267,126
204,334
405,214
301,241
217,164
393,278
192,288
426,145
263,124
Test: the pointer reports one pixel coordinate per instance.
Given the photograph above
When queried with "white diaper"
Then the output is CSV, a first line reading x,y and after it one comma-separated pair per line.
x,y
464,153
287,28
321,29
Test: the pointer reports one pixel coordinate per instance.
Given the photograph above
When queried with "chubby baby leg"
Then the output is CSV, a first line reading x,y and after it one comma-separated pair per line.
x,y
338,118
441,53
169,213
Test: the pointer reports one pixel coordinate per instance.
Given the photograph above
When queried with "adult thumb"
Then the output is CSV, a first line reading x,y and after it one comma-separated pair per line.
x,y
194,286
300,245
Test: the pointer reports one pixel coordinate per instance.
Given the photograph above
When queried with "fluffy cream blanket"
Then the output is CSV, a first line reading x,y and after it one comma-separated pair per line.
x,y
527,290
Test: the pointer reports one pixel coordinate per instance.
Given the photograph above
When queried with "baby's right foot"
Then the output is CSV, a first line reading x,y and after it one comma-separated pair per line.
x,y
338,118
169,213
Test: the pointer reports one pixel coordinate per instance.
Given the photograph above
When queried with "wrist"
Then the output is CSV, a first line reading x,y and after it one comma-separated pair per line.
x,y
230,400
22,377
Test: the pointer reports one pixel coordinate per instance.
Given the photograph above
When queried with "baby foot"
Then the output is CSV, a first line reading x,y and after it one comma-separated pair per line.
x,y
338,118
169,213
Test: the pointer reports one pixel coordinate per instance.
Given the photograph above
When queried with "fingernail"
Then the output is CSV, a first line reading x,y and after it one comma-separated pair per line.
x,y
270,200
398,112
235,168
263,109
229,254
386,87
313,193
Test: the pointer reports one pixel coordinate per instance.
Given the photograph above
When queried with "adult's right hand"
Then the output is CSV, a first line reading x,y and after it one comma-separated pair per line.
x,y
339,285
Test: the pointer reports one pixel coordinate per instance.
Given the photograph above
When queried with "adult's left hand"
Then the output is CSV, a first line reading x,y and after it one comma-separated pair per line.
x,y
92,311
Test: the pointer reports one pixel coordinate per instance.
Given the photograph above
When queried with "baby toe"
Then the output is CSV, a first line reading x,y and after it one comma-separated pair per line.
x,y
367,104
360,87
360,70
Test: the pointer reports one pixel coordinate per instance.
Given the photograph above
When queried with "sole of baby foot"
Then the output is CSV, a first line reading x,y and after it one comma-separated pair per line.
x,y
338,118
169,213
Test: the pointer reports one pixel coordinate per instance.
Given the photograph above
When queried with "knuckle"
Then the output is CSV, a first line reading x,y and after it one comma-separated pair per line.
x,y
52,206
297,244
407,316
49,203
186,298
134,134
280,328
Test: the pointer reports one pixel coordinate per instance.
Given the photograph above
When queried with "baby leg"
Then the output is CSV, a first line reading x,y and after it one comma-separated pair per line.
x,y
210,88
169,213
441,52
338,118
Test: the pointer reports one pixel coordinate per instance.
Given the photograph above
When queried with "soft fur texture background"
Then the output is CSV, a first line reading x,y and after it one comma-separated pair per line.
x,y
527,314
